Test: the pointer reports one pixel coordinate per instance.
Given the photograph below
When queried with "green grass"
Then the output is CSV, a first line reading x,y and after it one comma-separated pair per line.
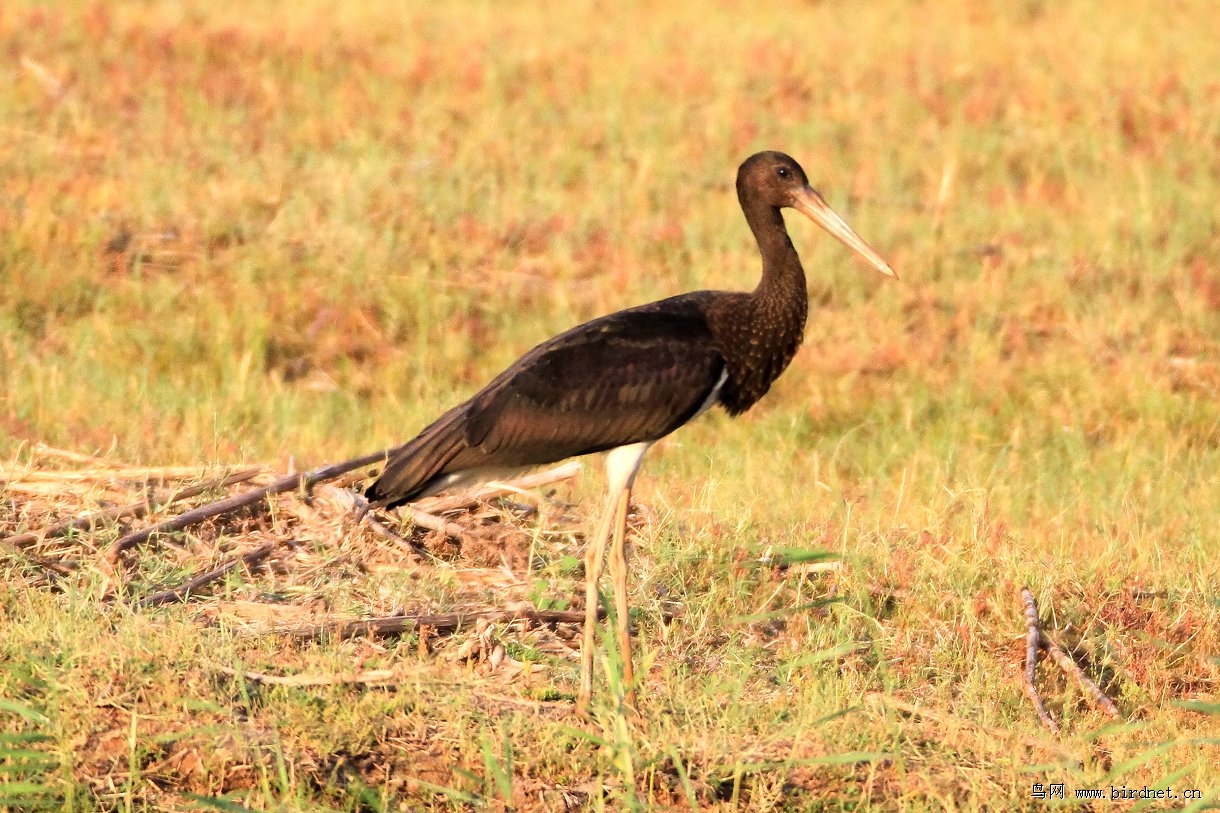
x,y
230,233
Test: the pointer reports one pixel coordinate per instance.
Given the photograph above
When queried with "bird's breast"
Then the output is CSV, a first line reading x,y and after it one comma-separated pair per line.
x,y
757,346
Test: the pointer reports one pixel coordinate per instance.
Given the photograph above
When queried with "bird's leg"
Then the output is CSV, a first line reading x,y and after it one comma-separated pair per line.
x,y
593,571
622,464
618,575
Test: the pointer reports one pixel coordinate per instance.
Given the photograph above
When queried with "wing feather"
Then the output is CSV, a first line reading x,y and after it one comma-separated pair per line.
x,y
629,377
632,376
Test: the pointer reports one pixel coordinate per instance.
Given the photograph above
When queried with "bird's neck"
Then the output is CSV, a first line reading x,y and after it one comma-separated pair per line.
x,y
782,287
758,333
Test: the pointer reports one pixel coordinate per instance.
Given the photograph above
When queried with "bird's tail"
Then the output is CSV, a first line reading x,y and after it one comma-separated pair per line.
x,y
416,466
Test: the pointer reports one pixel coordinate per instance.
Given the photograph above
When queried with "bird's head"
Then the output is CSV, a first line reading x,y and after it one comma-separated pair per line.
x,y
777,180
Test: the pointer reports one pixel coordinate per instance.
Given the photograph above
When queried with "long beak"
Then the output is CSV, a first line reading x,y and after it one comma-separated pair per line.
x,y
809,203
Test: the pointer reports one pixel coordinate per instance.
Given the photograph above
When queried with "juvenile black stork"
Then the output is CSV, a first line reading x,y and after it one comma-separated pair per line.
x,y
622,382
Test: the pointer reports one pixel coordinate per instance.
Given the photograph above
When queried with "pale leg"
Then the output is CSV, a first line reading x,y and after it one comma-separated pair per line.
x,y
621,467
594,555
618,575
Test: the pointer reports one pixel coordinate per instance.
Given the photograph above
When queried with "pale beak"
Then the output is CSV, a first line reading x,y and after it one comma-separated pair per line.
x,y
809,203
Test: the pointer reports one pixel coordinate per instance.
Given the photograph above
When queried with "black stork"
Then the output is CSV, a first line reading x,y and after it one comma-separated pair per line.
x,y
622,382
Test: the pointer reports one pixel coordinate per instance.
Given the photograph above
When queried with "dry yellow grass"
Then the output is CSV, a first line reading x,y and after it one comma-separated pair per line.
x,y
237,232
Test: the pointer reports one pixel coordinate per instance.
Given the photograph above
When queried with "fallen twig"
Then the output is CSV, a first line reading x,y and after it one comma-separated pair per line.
x,y
367,676
1073,669
180,592
432,522
398,624
385,532
1035,639
1031,659
350,502
215,509
137,509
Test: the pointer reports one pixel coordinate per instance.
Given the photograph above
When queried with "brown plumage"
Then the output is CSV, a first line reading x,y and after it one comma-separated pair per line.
x,y
625,380
630,376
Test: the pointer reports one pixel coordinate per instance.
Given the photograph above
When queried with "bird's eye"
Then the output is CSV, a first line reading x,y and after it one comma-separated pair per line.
x,y
783,172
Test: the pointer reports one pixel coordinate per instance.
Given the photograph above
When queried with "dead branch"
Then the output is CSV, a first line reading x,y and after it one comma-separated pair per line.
x,y
1073,669
351,502
399,624
1031,659
367,676
181,591
137,509
434,523
1034,640
381,529
235,503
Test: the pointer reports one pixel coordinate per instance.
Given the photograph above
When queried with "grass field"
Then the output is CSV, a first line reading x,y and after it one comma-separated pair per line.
x,y
237,234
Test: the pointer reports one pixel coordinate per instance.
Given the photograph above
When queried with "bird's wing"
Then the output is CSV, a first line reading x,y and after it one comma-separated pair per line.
x,y
632,376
